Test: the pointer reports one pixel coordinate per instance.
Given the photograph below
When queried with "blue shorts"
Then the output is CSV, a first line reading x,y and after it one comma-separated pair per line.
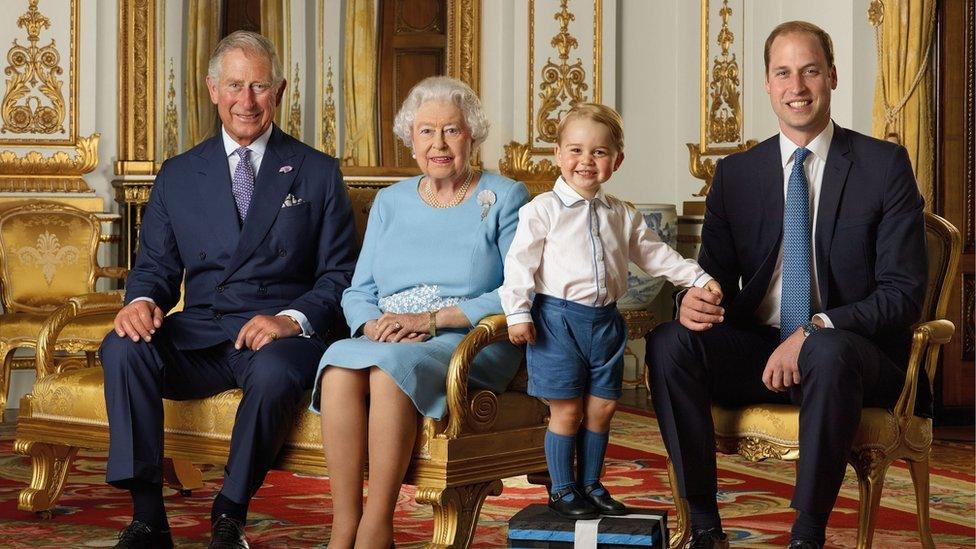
x,y
578,349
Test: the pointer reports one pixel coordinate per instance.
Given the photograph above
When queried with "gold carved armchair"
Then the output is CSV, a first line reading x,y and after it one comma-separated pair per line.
x,y
762,431
48,254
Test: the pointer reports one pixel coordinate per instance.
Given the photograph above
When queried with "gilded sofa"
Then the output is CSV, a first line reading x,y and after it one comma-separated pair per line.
x,y
457,461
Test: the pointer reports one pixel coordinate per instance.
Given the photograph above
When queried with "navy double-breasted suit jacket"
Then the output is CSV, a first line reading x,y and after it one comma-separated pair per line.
x,y
298,257
870,240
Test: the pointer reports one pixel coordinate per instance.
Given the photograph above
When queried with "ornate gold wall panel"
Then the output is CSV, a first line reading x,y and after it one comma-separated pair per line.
x,y
137,88
39,103
295,111
60,172
464,42
327,137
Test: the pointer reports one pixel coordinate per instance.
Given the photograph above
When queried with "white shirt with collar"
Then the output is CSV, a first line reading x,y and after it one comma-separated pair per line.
x,y
576,249
769,308
258,147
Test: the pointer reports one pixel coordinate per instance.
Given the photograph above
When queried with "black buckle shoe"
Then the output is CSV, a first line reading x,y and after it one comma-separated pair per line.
x,y
796,543
227,533
577,508
709,538
139,535
605,504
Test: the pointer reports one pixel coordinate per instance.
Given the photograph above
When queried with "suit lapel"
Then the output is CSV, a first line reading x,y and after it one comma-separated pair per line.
x,y
214,186
270,189
770,176
831,189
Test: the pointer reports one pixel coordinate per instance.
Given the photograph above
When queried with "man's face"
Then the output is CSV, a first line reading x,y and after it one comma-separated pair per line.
x,y
799,83
245,95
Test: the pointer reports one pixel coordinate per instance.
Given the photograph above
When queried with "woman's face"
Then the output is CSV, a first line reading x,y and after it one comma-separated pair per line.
x,y
441,141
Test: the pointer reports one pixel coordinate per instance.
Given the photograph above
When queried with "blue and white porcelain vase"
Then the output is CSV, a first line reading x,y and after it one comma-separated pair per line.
x,y
641,287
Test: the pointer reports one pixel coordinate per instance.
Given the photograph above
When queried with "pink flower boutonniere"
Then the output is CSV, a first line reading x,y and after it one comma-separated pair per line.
x,y
284,169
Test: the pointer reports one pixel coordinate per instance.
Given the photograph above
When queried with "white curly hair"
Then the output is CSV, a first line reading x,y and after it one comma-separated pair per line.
x,y
442,88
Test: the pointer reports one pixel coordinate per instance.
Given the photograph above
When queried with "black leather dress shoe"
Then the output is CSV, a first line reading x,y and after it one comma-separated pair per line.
x,y
709,538
571,504
605,504
227,533
804,544
139,535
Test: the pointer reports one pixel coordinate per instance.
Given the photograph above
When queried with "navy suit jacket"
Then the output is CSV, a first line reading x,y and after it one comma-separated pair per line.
x,y
870,238
299,257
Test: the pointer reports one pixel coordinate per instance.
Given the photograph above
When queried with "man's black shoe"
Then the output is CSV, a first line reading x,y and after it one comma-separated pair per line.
x,y
227,533
571,504
605,504
139,535
797,543
709,538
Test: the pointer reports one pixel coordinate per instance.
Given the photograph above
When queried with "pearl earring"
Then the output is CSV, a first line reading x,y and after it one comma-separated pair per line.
x,y
413,155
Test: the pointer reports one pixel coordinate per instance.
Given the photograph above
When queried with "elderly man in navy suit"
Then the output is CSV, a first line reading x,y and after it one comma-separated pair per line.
x,y
817,238
258,228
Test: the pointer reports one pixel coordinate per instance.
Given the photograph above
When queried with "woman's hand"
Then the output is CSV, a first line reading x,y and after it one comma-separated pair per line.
x,y
405,327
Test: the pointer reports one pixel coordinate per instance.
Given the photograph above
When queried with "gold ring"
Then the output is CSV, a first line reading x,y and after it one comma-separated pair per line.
x,y
273,336
397,326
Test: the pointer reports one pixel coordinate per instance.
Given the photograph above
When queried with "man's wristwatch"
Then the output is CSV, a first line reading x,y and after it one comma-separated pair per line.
x,y
810,328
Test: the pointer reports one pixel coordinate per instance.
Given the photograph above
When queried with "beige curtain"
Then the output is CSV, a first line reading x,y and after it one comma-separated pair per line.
x,y
905,32
203,33
359,84
273,28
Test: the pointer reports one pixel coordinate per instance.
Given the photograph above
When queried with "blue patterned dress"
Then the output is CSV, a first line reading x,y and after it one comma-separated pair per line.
x,y
416,258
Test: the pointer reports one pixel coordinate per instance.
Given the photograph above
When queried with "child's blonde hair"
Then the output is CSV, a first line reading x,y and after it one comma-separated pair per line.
x,y
601,114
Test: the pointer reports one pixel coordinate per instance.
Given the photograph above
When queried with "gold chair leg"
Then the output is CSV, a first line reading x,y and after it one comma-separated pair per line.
x,y
871,467
49,471
456,512
182,474
920,479
681,532
6,365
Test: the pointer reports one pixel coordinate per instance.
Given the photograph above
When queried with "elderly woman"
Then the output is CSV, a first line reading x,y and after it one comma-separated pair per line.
x,y
429,269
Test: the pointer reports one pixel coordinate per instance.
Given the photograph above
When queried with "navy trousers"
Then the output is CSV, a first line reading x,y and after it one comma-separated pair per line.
x,y
138,375
841,372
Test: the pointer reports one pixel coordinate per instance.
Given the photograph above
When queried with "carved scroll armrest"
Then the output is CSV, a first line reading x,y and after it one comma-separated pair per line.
x,y
927,340
112,272
76,307
490,329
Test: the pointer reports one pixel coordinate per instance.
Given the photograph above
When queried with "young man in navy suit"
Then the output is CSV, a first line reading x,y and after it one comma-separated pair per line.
x,y
817,234
257,227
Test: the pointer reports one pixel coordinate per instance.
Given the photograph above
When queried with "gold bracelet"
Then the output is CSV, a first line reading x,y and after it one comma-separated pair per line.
x,y
432,324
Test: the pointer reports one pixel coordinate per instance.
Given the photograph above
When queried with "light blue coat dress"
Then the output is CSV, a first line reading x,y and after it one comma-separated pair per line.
x,y
416,257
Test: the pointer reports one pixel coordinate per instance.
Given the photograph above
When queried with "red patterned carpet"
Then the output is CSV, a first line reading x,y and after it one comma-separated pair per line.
x,y
293,511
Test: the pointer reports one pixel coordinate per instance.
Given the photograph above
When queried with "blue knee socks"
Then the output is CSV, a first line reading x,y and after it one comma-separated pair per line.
x,y
559,459
591,448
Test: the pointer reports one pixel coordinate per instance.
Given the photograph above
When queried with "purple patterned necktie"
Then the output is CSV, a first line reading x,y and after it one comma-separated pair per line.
x,y
243,183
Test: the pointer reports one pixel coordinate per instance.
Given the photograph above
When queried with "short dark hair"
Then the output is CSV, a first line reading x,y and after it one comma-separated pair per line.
x,y
801,26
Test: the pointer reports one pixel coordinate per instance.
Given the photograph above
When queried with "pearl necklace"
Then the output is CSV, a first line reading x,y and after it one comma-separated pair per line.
x,y
432,200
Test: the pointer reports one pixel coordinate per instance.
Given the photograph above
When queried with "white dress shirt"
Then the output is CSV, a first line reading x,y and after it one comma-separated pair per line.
x,y
576,249
258,148
769,307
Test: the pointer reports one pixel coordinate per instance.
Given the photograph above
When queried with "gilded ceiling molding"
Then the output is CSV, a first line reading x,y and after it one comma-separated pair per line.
x,y
35,172
721,100
295,114
137,88
327,140
34,103
171,135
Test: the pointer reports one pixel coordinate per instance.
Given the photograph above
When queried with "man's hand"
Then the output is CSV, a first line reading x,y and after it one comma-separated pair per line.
x,y
138,320
522,333
782,371
700,308
714,287
263,329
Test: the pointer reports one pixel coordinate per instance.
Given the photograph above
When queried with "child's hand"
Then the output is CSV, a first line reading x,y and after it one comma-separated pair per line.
x,y
522,333
714,287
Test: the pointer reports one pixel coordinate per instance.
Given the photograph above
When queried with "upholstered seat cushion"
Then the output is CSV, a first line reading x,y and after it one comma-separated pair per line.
x,y
77,397
24,327
779,424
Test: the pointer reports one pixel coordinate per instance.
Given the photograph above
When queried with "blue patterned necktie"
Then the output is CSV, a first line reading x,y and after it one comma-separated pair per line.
x,y
795,303
243,183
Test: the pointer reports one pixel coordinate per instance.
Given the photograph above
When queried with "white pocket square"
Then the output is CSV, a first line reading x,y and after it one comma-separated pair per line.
x,y
292,200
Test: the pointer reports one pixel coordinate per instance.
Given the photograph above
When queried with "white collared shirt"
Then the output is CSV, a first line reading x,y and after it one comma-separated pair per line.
x,y
576,249
769,308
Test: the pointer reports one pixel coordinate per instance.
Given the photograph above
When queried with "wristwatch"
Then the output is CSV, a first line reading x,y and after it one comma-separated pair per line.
x,y
810,328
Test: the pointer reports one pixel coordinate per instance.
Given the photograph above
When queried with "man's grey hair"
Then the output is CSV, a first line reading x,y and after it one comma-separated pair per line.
x,y
250,42
442,88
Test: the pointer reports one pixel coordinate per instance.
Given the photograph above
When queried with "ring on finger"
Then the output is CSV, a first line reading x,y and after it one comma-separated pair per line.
x,y
273,336
397,326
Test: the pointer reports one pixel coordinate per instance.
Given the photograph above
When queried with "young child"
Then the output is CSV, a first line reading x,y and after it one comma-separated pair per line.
x,y
565,270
